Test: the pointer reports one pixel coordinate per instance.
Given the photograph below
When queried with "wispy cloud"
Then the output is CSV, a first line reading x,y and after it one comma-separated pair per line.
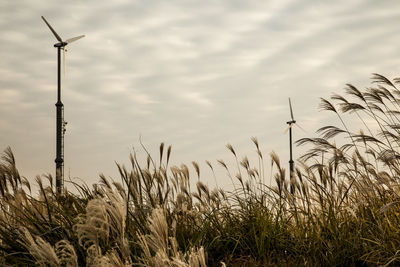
x,y
193,73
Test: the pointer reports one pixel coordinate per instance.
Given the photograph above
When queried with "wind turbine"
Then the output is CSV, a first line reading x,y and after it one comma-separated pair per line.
x,y
291,162
60,110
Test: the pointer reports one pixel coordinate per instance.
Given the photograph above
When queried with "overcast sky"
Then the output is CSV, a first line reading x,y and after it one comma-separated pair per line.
x,y
193,74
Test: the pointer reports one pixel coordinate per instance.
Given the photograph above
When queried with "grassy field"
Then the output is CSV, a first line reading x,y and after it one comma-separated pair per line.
x,y
345,210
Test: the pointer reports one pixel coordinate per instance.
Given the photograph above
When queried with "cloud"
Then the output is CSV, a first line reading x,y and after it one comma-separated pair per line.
x,y
197,74
197,98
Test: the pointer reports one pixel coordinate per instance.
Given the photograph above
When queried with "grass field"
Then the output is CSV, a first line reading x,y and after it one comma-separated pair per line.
x,y
345,210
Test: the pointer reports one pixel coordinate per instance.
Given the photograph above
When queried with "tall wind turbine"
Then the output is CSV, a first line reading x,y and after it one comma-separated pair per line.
x,y
60,110
291,162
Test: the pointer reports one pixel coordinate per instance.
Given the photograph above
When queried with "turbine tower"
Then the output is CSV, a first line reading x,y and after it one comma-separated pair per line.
x,y
60,129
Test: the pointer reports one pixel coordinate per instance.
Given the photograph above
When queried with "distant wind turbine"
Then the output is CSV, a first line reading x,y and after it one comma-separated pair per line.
x,y
291,162
60,109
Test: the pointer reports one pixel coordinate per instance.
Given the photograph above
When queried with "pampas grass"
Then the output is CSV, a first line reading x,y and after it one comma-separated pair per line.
x,y
345,210
161,249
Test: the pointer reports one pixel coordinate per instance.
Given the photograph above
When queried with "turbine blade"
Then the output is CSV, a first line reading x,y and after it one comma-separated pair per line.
x,y
301,128
287,129
64,64
291,110
70,40
52,30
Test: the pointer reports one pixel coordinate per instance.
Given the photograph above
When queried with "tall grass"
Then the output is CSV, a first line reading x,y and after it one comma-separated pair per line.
x,y
344,212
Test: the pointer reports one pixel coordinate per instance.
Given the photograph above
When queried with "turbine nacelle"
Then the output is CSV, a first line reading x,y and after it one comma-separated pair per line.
x,y
62,44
